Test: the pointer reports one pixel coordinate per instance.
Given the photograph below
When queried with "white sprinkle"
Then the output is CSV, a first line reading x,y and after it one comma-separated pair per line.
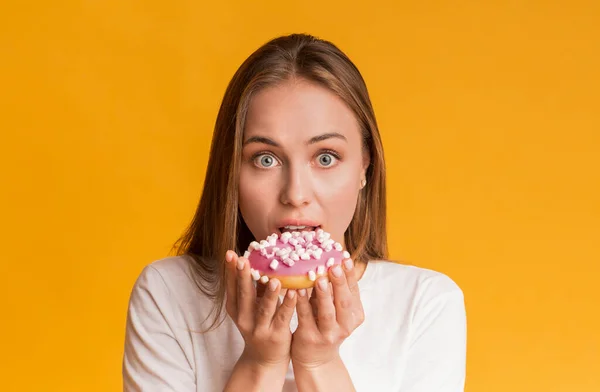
x,y
263,251
294,256
309,252
246,254
286,234
328,248
275,235
301,241
282,252
288,262
311,276
255,274
275,249
320,231
318,253
272,241
346,255
320,270
330,262
338,246
254,245
285,240
270,255
293,241
323,237
264,244
296,234
304,256
274,264
300,251
264,279
328,242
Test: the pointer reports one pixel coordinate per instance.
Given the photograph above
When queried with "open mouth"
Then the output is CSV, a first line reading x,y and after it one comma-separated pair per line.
x,y
297,228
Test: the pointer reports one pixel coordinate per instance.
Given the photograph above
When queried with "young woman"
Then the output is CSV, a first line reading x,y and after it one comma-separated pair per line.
x,y
295,143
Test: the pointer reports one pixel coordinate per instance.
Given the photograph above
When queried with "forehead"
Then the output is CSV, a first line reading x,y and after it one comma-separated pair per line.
x,y
299,109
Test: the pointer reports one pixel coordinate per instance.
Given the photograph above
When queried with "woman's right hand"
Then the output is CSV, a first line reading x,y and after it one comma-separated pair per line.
x,y
262,321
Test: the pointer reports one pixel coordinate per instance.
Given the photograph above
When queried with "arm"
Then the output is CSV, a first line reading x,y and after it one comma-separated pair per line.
x,y
248,375
332,376
437,353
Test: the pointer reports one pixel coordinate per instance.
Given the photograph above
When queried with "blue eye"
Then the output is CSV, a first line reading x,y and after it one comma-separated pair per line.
x,y
326,159
266,160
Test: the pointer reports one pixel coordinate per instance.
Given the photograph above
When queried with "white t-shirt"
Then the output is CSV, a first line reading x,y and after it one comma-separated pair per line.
x,y
413,338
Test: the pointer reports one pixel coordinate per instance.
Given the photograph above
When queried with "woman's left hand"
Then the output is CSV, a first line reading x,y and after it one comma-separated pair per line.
x,y
328,318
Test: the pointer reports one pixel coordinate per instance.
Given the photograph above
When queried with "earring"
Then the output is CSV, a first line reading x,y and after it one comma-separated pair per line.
x,y
363,183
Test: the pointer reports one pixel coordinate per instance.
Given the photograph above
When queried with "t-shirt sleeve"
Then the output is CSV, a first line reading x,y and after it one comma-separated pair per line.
x,y
436,359
153,359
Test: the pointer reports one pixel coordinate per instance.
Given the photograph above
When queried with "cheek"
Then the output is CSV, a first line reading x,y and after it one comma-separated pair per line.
x,y
339,197
255,200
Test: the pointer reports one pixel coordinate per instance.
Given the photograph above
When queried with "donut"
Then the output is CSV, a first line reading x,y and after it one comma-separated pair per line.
x,y
295,258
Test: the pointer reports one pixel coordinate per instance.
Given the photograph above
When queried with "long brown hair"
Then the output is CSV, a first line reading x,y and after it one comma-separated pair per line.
x,y
217,225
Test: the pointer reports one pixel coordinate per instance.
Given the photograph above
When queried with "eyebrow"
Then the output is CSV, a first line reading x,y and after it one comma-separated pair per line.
x,y
313,140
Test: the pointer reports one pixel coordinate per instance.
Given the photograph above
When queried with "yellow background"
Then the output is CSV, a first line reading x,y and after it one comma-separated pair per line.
x,y
490,115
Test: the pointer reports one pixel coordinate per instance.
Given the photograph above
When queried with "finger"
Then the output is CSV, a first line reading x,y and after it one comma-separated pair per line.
x,y
246,293
284,313
343,300
325,308
231,279
306,319
313,304
351,277
268,304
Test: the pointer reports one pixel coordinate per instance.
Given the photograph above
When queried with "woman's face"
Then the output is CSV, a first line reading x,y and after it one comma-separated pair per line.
x,y
302,161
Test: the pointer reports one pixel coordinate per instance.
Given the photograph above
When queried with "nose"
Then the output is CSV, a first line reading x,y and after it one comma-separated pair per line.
x,y
297,187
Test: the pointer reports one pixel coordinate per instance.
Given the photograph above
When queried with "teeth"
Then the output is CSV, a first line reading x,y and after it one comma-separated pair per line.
x,y
295,227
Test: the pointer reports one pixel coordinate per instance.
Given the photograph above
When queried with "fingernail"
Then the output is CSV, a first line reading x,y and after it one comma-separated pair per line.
x,y
337,271
302,292
291,294
348,264
228,257
240,264
323,284
273,283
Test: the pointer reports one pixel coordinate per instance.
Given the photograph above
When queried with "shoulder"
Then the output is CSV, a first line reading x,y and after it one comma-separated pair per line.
x,y
417,285
166,273
171,280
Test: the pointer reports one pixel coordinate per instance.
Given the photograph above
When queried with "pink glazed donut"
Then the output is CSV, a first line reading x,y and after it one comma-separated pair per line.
x,y
295,258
